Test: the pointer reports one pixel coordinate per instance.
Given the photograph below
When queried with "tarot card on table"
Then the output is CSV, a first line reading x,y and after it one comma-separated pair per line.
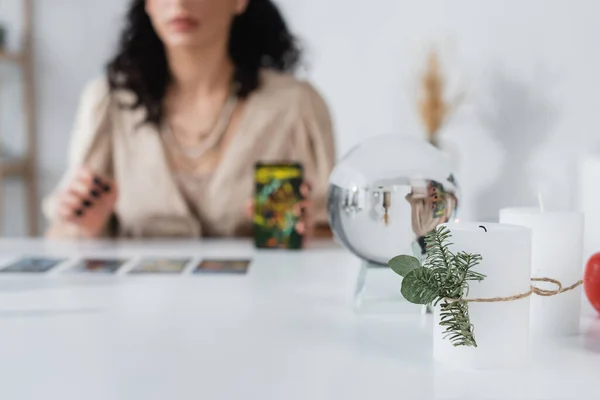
x,y
215,266
160,266
98,266
32,265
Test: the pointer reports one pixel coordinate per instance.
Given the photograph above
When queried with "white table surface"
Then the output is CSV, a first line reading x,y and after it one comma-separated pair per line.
x,y
286,330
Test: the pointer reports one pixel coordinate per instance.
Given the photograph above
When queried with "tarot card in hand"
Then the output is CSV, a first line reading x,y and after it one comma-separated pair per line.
x,y
160,266
32,265
222,267
98,266
277,205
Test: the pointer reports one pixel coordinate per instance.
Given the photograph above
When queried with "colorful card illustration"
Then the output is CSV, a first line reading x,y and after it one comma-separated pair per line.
x,y
277,206
32,265
98,266
223,267
160,266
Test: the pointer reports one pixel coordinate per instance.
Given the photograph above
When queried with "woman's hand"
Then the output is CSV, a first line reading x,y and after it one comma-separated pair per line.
x,y
88,202
304,210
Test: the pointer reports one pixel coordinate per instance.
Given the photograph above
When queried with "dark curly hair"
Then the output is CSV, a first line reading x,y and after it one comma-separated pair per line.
x,y
259,38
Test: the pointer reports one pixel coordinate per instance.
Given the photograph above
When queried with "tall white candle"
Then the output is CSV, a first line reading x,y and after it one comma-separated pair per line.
x,y
588,195
501,328
557,247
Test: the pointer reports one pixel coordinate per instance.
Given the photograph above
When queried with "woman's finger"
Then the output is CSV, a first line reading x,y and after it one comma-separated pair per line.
x,y
92,181
85,177
249,209
79,197
306,223
102,184
306,189
70,199
305,228
69,214
76,203
81,189
305,207
301,227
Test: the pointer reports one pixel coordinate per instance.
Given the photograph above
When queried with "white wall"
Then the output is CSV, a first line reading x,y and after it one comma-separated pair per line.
x,y
530,69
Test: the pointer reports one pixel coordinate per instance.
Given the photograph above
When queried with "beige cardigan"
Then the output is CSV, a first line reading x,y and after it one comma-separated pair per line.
x,y
284,120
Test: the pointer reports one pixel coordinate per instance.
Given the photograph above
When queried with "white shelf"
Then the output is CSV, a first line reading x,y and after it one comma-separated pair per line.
x,y
14,167
10,56
24,167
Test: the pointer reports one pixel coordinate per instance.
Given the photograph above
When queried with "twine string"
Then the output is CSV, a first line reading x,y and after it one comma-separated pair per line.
x,y
544,292
532,290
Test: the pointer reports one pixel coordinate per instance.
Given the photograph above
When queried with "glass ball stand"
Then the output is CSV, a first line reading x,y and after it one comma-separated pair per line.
x,y
385,195
378,292
362,216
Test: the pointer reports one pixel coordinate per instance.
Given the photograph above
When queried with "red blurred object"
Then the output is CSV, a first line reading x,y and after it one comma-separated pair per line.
x,y
591,281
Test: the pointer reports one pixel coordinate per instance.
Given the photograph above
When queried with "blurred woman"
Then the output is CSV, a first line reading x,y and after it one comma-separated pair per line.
x,y
165,144
430,206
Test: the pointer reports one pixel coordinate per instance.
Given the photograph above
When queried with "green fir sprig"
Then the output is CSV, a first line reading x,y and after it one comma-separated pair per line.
x,y
442,280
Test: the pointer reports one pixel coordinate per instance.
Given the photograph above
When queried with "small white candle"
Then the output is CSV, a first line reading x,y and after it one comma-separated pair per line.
x,y
501,328
557,253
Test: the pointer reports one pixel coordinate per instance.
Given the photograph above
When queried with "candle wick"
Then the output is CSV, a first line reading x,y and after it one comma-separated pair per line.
x,y
483,227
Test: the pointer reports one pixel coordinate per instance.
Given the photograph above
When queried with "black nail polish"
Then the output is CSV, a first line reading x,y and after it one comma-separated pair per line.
x,y
97,181
86,203
94,193
79,213
106,188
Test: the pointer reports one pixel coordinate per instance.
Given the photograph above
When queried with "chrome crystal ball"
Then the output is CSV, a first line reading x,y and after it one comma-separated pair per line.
x,y
387,193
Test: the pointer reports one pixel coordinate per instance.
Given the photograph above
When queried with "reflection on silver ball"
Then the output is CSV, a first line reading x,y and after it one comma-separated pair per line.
x,y
387,193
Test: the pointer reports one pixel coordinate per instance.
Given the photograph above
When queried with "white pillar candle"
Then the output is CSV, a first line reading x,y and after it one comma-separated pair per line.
x,y
588,195
501,328
557,253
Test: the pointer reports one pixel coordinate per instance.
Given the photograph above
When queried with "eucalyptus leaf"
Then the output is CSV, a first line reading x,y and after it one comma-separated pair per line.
x,y
402,265
419,286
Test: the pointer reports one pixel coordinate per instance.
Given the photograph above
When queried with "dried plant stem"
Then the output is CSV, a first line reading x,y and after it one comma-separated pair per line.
x,y
434,110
